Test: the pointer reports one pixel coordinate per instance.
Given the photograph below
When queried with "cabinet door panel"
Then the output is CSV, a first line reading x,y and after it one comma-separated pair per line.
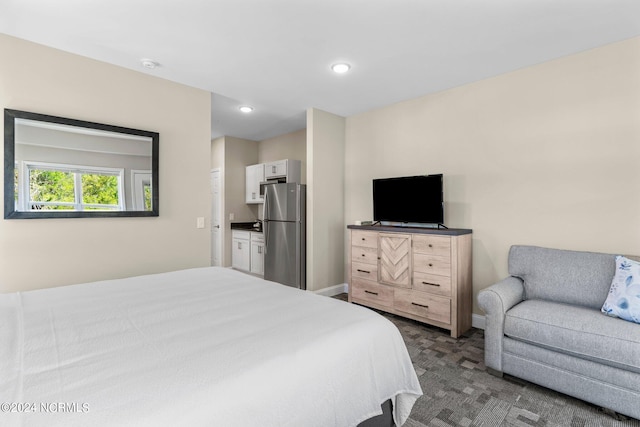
x,y
241,255
254,175
395,259
257,257
274,169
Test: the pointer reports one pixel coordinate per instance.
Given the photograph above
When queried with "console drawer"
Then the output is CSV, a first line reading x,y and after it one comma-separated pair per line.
x,y
368,239
372,292
422,304
364,255
432,245
364,271
431,264
432,283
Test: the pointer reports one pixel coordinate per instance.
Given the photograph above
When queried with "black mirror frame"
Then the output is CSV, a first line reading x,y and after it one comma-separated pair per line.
x,y
9,166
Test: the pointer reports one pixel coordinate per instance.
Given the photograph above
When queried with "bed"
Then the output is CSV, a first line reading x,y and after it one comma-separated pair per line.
x,y
198,347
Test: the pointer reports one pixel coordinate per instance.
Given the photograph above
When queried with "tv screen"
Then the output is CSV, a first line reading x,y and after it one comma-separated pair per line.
x,y
409,199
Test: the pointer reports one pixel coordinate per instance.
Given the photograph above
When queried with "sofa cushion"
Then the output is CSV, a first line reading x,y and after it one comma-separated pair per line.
x,y
623,300
577,331
571,277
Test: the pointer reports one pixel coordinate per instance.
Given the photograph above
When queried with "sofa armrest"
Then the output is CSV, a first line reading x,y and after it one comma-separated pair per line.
x,y
496,300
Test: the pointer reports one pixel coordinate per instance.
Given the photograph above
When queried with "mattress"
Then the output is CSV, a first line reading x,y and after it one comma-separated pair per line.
x,y
198,347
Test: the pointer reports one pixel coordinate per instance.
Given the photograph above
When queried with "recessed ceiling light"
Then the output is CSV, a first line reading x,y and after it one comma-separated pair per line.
x,y
149,63
245,108
341,67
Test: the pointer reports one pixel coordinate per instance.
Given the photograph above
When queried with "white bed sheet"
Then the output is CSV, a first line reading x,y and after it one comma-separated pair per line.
x,y
198,347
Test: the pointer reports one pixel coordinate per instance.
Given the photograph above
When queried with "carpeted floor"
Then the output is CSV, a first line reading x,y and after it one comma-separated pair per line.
x,y
458,391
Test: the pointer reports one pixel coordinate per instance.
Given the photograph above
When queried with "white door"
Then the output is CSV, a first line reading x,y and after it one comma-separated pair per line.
x,y
216,216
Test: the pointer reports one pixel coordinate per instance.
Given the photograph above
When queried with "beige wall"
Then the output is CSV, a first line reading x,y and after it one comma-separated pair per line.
x,y
217,153
238,154
546,155
51,252
325,199
289,146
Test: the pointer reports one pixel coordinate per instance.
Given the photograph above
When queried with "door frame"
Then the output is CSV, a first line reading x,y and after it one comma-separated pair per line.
x,y
216,247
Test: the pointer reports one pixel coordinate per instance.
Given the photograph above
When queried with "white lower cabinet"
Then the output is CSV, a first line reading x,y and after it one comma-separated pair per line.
x,y
247,252
257,253
241,250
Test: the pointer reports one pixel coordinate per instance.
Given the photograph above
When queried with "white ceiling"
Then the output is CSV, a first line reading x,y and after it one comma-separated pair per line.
x,y
275,54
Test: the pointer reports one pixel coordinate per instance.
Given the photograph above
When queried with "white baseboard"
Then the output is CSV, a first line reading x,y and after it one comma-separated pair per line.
x,y
333,290
477,321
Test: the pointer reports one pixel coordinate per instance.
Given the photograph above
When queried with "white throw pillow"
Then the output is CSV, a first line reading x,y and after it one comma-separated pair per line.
x,y
623,300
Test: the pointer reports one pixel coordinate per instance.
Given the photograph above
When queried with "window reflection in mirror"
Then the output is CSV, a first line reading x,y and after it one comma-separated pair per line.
x,y
70,168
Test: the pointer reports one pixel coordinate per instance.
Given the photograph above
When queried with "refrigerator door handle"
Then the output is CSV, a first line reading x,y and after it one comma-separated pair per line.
x,y
265,230
265,221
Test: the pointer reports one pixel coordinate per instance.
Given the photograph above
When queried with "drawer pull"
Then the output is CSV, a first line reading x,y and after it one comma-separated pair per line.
x,y
372,293
365,271
431,284
430,245
430,265
419,305
363,255
363,239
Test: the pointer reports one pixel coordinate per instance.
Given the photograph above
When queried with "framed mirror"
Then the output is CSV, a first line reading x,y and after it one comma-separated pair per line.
x,y
55,167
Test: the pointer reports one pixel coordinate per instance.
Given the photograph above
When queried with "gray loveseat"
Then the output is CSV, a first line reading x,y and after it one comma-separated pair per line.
x,y
543,324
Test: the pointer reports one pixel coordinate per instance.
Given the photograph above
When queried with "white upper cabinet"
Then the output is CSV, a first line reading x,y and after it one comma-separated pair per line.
x,y
254,176
289,169
275,169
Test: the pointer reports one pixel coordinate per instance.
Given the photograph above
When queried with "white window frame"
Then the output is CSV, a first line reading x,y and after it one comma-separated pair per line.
x,y
139,180
24,193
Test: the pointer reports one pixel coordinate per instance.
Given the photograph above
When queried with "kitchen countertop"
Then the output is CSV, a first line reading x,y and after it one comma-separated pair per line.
x,y
248,226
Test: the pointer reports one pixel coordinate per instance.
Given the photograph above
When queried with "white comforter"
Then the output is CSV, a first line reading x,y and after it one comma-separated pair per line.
x,y
199,347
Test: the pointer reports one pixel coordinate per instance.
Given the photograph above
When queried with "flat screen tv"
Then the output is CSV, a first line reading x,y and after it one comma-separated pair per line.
x,y
414,199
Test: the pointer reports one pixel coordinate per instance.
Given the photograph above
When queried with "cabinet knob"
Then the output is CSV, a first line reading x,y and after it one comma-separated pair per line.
x,y
430,265
363,239
363,254
430,245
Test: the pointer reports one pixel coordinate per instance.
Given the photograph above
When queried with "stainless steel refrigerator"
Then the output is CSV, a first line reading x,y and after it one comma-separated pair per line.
x,y
284,226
